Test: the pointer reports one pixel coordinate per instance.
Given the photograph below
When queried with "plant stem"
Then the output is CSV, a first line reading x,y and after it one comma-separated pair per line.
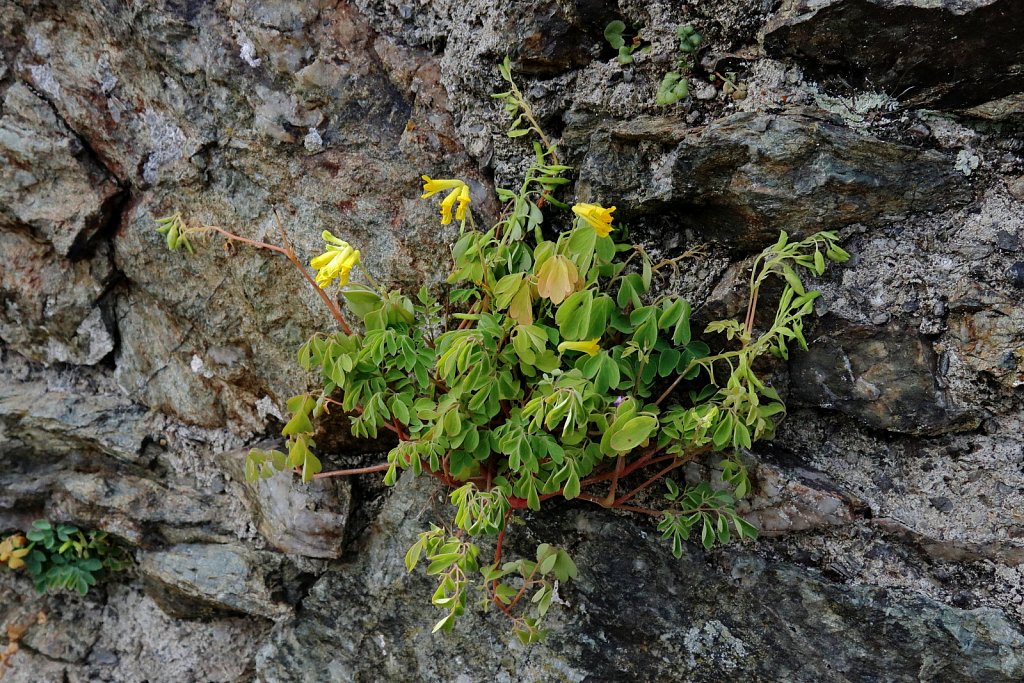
x,y
619,464
656,477
348,473
332,305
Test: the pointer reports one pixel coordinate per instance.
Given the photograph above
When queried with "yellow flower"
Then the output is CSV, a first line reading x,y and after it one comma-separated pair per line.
x,y
432,187
337,262
459,193
460,213
590,348
596,216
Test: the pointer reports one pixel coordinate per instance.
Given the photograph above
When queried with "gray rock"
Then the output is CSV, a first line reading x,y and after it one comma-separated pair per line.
x,y
936,53
52,307
553,37
745,177
46,416
201,580
885,377
119,634
139,510
731,617
784,501
298,519
48,182
206,108
986,331
69,639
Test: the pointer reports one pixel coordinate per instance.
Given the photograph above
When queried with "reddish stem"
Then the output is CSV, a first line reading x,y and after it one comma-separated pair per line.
x,y
619,464
497,560
290,255
358,470
650,481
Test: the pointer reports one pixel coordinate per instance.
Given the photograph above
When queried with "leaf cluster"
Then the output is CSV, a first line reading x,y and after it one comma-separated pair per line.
x,y
63,557
700,507
555,366
675,85
175,231
614,34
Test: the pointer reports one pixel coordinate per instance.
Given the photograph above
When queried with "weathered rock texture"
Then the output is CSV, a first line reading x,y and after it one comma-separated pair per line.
x,y
132,379
945,53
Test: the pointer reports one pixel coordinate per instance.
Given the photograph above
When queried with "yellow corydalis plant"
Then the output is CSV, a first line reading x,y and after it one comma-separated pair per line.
x,y
481,391
459,193
337,262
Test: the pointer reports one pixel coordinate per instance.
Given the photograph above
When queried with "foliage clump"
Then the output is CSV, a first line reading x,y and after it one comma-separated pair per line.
x,y
62,556
675,85
555,369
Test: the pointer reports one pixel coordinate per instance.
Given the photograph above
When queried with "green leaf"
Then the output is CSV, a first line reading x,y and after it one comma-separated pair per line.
x,y
613,34
572,485
630,288
634,432
361,300
573,316
565,568
447,623
741,435
819,262
506,288
723,432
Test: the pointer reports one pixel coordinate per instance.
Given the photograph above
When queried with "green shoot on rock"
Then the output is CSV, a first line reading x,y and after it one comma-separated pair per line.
x,y
62,557
675,85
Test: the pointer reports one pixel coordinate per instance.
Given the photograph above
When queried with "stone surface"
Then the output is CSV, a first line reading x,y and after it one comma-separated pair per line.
x,y
139,510
132,378
202,580
939,53
58,414
744,178
121,635
799,499
884,376
50,184
297,519
987,331
728,617
50,305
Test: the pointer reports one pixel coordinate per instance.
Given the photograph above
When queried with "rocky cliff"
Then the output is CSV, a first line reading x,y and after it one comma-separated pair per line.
x,y
132,380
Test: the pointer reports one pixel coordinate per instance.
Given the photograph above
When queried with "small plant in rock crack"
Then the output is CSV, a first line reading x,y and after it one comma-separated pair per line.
x,y
63,557
614,33
561,379
731,85
675,85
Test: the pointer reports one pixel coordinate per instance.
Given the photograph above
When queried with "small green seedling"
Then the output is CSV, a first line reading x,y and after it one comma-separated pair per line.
x,y
675,85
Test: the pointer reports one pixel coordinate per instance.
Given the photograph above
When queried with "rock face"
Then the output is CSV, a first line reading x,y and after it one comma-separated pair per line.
x,y
944,53
298,519
883,376
200,580
745,177
133,380
733,616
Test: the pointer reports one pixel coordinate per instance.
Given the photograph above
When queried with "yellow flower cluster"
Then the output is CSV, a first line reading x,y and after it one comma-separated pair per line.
x,y
596,216
337,262
12,550
459,193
